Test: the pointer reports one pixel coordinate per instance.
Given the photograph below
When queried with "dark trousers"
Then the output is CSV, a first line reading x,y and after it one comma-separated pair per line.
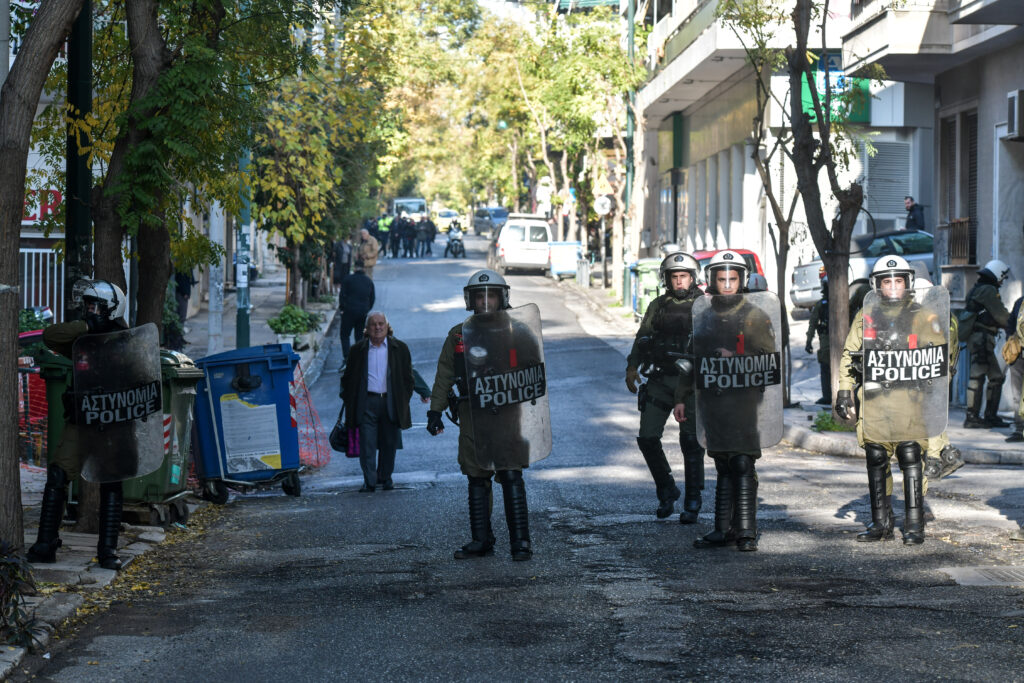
x,y
421,247
351,321
396,244
378,441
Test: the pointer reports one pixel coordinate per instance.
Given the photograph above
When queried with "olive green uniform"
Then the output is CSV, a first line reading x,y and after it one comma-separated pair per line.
x,y
879,454
666,328
60,338
984,300
451,374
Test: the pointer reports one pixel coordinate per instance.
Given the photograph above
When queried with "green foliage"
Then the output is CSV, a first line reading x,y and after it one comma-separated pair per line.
x,y
824,422
324,299
29,320
294,320
17,625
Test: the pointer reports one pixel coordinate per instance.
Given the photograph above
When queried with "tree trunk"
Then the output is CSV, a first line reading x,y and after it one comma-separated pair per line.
x,y
296,276
514,151
563,165
20,95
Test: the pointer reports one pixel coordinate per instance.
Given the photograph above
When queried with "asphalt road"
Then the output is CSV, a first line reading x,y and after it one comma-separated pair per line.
x,y
342,585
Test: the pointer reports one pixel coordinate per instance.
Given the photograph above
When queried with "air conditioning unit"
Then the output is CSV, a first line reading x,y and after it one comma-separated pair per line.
x,y
1015,115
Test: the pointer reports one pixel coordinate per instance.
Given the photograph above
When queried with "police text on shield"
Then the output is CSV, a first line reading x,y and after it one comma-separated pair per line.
x,y
121,405
740,372
508,388
906,365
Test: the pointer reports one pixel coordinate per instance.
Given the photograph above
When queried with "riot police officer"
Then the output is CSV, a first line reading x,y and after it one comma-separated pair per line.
x,y
903,414
739,410
104,307
661,340
818,324
984,300
492,442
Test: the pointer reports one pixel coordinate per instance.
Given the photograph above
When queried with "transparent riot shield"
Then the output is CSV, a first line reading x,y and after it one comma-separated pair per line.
x,y
118,406
906,365
507,386
737,371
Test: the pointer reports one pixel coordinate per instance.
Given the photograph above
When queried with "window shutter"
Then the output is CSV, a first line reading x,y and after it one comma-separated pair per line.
x,y
888,178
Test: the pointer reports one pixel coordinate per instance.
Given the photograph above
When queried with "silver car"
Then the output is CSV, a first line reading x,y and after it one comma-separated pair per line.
x,y
913,245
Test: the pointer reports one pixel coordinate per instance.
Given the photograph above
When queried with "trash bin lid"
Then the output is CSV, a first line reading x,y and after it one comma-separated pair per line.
x,y
273,354
52,365
176,365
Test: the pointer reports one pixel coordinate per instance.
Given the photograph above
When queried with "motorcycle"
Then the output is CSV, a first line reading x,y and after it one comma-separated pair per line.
x,y
455,245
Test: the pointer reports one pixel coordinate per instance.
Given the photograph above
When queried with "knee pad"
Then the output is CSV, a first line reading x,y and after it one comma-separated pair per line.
x,y
908,453
875,455
741,465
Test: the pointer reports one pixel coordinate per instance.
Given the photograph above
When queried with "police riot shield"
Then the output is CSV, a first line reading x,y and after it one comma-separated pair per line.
x,y
507,388
906,365
118,406
737,371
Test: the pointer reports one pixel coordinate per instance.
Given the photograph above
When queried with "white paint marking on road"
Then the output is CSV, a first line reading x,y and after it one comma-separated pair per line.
x,y
986,576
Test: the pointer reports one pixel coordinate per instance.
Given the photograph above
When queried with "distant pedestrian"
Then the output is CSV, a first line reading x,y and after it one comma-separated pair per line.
x,y
355,300
183,292
1014,338
915,214
367,254
422,235
376,386
341,263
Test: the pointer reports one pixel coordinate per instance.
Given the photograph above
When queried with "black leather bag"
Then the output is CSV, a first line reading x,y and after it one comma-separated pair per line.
x,y
343,439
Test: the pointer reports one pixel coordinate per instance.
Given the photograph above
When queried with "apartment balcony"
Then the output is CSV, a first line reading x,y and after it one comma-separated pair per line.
x,y
918,39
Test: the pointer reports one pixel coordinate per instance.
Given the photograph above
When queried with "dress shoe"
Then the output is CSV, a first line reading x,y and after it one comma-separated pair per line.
x,y
389,486
1016,437
667,502
973,422
823,401
996,421
368,489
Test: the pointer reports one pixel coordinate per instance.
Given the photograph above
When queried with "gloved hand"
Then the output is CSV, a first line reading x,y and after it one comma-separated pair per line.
x,y
434,424
809,348
632,377
844,405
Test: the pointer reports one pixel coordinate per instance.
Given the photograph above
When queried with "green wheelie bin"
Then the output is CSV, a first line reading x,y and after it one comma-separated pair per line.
x,y
648,284
163,491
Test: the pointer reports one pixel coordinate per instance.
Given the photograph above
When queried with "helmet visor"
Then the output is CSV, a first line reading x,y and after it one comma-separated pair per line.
x,y
486,299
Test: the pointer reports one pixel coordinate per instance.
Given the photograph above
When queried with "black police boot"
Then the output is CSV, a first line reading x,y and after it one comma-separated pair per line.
x,y
974,396
909,455
479,520
881,525
111,503
44,550
516,514
693,468
932,468
993,393
657,463
952,460
724,508
745,484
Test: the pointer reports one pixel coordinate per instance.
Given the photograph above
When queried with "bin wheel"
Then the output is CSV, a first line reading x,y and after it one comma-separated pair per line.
x,y
215,491
179,511
158,517
291,484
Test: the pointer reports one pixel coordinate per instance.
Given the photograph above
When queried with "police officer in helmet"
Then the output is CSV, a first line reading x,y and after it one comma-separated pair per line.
x,y
485,293
736,488
984,300
103,306
901,322
661,339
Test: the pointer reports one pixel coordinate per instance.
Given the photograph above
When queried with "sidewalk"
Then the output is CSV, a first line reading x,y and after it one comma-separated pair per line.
x,y
75,567
979,446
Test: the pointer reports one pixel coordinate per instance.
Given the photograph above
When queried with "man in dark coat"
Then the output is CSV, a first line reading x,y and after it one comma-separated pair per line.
x,y
915,214
354,301
376,386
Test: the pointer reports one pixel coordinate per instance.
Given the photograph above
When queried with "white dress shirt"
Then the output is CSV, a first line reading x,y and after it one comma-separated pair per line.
x,y
377,368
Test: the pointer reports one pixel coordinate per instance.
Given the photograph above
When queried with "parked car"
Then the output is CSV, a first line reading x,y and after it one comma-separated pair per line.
x,y
489,219
444,219
913,245
521,243
751,259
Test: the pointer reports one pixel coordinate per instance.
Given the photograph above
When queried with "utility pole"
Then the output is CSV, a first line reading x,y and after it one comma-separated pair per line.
x,y
630,121
216,308
242,259
78,181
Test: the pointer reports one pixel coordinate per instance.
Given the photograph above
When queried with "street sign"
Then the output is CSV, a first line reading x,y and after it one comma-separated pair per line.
x,y
603,205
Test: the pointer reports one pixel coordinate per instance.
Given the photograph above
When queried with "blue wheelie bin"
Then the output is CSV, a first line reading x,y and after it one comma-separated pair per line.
x,y
245,435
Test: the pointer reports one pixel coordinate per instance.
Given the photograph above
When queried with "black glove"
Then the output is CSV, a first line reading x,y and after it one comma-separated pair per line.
x,y
844,405
434,424
809,348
